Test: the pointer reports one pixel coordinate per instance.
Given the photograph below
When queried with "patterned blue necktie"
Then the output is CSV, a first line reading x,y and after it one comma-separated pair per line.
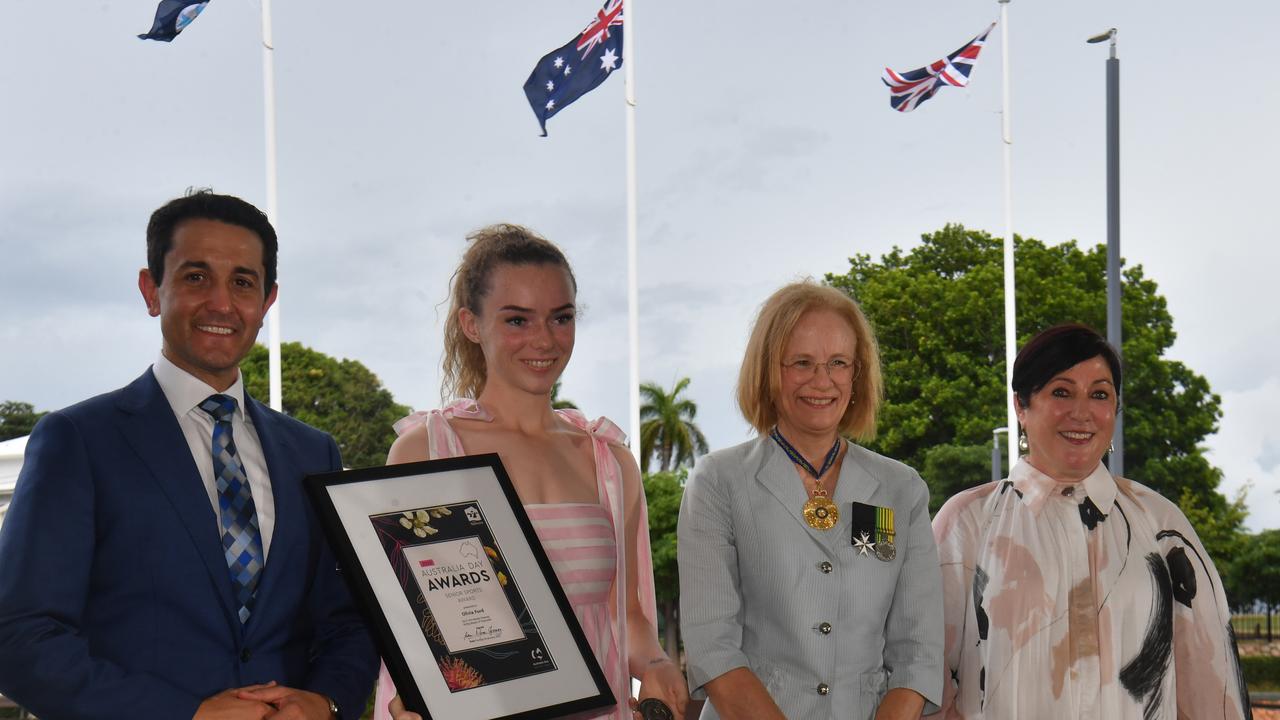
x,y
241,539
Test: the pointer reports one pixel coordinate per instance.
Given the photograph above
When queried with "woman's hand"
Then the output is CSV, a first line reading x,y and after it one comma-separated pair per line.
x,y
899,704
396,708
664,681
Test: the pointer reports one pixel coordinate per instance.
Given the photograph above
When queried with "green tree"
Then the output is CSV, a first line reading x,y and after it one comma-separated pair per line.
x,y
666,427
938,314
1221,532
559,403
1254,574
663,490
17,419
341,397
948,469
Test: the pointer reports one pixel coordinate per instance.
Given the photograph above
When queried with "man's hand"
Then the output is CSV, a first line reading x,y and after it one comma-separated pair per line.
x,y
228,705
287,703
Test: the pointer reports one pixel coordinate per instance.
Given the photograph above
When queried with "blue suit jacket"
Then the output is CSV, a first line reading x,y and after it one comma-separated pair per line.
x,y
115,599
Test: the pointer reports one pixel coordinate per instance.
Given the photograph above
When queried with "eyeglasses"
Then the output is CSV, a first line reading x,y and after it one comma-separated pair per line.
x,y
838,369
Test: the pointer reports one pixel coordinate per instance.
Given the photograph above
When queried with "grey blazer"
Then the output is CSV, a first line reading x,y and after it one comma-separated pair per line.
x,y
826,629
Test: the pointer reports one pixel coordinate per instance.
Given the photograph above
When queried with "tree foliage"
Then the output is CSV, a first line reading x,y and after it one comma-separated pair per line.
x,y
559,403
663,490
667,429
17,419
1221,531
938,311
948,469
1254,573
341,397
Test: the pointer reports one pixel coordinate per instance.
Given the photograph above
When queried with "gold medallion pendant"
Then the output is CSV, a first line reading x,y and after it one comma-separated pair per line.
x,y
820,513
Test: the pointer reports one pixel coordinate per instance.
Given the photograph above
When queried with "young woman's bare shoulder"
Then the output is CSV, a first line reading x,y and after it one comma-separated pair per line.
x,y
409,447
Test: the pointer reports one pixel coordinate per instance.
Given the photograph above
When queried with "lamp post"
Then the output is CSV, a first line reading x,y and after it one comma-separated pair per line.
x,y
1116,462
996,473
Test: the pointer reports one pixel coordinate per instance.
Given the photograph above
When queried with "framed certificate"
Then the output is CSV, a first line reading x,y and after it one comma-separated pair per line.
x,y
462,601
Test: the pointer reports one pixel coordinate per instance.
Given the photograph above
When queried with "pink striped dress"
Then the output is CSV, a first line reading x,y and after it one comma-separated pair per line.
x,y
585,543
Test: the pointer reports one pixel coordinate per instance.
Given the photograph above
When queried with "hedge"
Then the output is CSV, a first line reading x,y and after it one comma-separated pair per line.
x,y
1261,673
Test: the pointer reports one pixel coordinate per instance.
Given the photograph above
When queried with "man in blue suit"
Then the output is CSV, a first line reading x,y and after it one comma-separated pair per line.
x,y
159,558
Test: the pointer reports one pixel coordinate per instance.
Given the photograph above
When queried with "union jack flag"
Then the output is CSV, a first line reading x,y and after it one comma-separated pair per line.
x,y
566,74
909,89
598,29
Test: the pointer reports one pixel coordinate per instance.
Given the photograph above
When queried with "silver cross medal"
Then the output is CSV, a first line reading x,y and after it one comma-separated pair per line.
x,y
864,544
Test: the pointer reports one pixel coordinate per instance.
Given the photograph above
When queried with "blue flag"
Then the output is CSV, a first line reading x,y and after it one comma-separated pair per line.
x,y
172,16
566,74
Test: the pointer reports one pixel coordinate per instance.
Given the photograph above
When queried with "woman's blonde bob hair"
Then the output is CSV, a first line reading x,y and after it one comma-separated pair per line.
x,y
760,379
491,247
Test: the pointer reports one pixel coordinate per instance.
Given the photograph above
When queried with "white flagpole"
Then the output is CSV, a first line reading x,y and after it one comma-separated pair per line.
x,y
633,291
276,395
1010,314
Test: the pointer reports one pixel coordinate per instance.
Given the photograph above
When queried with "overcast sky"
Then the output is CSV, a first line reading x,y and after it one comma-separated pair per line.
x,y
767,152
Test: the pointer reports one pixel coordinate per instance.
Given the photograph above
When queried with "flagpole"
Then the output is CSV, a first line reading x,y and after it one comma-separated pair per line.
x,y
1010,310
633,291
276,395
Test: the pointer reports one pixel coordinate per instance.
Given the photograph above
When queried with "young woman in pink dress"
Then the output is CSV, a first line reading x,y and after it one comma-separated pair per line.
x,y
509,335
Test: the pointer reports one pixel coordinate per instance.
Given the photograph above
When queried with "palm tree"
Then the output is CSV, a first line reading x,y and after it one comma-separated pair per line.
x,y
666,427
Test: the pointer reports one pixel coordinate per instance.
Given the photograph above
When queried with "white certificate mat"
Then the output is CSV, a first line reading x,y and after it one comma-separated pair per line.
x,y
464,604
464,593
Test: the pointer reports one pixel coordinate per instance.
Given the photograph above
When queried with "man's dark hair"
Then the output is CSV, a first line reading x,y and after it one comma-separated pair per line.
x,y
1056,349
204,204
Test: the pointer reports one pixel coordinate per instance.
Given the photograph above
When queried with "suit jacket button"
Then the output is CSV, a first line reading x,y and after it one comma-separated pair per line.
x,y
823,688
245,655
825,567
825,628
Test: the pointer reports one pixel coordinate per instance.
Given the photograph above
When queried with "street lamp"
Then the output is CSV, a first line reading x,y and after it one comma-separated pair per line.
x,y
996,473
1116,462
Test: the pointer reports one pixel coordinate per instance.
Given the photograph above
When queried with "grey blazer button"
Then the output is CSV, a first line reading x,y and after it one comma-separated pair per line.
x,y
825,567
825,628
823,688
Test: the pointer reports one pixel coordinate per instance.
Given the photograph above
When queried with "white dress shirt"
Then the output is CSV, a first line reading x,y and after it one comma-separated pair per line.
x,y
185,392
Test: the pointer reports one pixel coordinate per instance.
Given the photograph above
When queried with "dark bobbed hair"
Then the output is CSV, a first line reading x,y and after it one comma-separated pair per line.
x,y
204,204
1056,349
491,247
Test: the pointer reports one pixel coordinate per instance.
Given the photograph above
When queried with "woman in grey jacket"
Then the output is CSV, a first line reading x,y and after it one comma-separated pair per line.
x,y
809,581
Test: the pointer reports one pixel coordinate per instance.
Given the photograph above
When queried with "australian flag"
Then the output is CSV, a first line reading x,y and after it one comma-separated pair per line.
x,y
566,74
172,16
907,90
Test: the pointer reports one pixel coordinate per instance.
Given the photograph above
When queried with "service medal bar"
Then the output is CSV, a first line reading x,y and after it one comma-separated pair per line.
x,y
873,530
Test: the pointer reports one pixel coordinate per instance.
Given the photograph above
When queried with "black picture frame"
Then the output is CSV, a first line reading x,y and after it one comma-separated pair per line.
x,y
457,590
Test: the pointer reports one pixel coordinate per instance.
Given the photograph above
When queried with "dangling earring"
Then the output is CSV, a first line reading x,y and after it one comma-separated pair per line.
x,y
1022,442
1111,449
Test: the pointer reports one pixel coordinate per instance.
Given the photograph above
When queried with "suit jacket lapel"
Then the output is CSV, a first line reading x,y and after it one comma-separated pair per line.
x,y
151,429
777,474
